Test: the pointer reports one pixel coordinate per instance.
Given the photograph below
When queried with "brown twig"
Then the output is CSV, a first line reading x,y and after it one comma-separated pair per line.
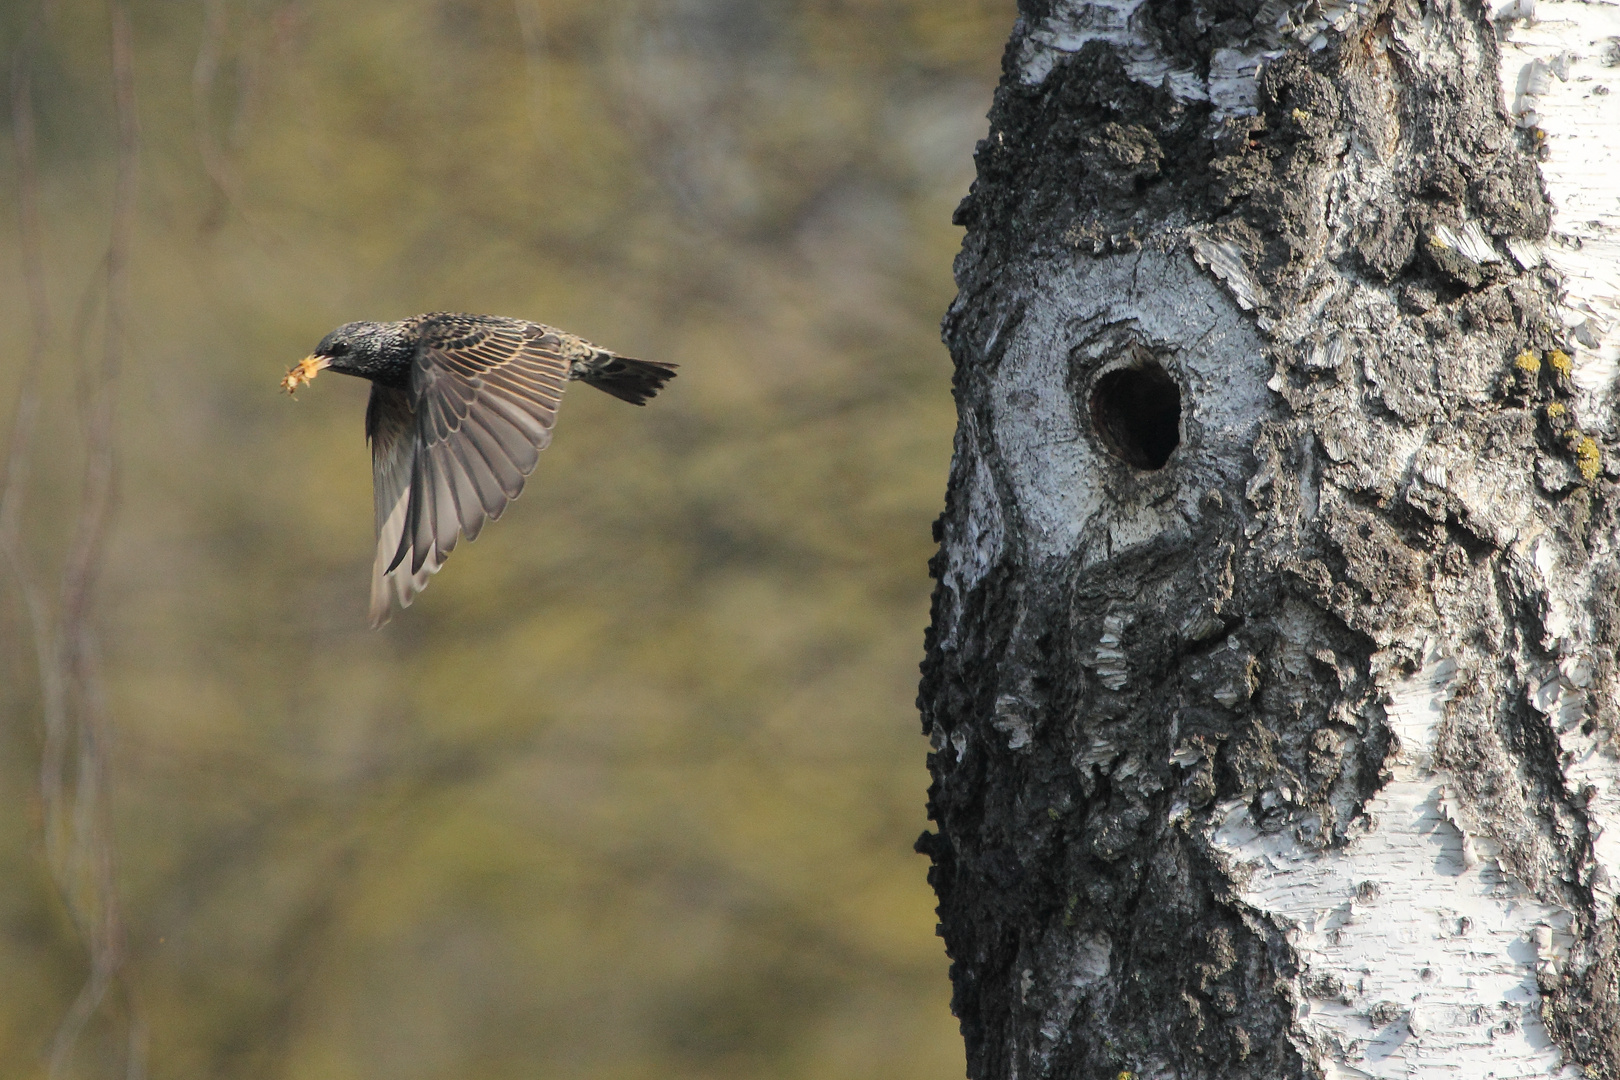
x,y
19,448
78,829
19,452
203,74
47,644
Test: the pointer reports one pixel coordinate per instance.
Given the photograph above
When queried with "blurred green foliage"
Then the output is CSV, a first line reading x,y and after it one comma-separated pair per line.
x,y
630,791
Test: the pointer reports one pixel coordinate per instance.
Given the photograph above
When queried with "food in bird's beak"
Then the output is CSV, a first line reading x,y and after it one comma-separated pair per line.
x,y
304,372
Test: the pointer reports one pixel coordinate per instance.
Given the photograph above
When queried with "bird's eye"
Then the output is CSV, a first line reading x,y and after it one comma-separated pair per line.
x,y
337,350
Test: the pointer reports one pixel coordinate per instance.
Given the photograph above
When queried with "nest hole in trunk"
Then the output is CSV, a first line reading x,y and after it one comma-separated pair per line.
x,y
1137,413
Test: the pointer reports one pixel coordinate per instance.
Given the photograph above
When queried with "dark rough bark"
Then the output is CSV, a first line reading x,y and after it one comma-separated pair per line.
x,y
1221,636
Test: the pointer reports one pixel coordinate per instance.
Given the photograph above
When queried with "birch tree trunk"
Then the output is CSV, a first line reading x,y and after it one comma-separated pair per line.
x,y
1272,683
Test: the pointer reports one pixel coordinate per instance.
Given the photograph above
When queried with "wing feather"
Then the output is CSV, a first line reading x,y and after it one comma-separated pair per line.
x,y
508,476
454,449
482,490
464,489
383,578
422,509
518,447
391,428
447,512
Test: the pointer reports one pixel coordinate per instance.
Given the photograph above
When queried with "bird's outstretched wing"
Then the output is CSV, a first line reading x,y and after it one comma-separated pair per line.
x,y
450,452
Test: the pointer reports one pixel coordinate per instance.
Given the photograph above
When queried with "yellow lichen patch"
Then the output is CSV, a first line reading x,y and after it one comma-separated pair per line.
x,y
1560,362
1300,116
1588,458
1556,411
1527,361
304,372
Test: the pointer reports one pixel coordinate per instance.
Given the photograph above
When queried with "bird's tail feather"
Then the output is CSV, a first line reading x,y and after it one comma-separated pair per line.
x,y
635,381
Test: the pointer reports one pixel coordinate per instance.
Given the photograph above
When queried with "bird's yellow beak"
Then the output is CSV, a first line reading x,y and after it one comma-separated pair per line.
x,y
304,372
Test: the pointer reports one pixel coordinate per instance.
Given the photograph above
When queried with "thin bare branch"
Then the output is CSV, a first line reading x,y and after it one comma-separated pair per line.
x,y
135,1049
19,448
19,452
79,835
203,74
95,503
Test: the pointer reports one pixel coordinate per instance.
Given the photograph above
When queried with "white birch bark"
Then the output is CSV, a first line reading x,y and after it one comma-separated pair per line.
x,y
1293,754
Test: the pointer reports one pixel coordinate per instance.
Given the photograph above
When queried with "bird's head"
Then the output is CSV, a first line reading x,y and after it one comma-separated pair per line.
x,y
371,350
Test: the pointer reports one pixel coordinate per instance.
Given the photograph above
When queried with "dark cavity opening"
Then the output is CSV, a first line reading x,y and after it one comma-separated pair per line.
x,y
1137,411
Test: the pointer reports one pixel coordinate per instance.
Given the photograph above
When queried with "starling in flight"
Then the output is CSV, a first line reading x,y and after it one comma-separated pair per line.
x,y
461,406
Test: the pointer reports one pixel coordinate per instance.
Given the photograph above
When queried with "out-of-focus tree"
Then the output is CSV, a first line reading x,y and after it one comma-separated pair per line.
x,y
629,790
57,623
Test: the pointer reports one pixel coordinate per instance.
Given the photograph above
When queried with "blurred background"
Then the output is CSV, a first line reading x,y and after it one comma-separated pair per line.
x,y
631,790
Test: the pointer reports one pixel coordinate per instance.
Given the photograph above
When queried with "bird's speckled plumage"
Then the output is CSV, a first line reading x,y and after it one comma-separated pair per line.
x,y
461,406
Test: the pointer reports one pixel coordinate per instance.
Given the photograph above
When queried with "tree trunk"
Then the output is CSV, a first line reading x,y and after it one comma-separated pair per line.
x,y
1271,683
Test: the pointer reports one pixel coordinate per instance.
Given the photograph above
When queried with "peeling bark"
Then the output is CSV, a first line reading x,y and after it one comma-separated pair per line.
x,y
1271,683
